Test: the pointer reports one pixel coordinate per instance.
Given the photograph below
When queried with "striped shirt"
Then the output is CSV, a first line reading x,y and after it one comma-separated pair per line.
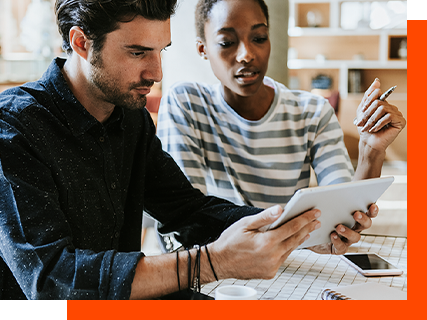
x,y
259,163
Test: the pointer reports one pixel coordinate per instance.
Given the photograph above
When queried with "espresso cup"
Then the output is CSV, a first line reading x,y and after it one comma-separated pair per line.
x,y
235,293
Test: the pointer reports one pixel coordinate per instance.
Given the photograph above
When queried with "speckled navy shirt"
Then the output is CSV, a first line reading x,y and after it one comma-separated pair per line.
x,y
72,192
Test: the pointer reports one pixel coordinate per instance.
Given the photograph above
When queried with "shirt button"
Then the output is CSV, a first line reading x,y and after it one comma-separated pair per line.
x,y
101,139
113,185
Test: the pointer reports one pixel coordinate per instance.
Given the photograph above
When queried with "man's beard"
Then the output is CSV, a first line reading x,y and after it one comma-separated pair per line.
x,y
110,88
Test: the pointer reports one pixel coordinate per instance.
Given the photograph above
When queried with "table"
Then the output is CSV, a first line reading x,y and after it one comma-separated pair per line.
x,y
305,274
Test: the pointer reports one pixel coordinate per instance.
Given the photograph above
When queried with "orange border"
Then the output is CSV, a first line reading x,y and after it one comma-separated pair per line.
x,y
417,87
176,310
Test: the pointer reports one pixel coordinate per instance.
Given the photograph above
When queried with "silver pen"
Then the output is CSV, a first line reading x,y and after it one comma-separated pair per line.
x,y
384,96
387,93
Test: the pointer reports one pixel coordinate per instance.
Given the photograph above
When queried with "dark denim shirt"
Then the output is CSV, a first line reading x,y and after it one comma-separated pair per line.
x,y
72,193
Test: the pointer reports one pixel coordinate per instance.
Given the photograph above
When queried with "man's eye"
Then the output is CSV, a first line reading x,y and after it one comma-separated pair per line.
x,y
137,54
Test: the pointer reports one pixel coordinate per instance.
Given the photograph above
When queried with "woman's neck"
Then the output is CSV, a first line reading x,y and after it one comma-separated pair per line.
x,y
253,107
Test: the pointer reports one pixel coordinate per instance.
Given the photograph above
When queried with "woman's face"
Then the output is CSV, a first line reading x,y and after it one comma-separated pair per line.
x,y
237,45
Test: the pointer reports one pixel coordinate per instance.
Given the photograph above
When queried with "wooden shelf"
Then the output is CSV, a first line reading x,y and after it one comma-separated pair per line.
x,y
307,32
332,50
346,64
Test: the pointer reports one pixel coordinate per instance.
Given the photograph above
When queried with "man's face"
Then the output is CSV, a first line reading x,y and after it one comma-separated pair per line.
x,y
129,63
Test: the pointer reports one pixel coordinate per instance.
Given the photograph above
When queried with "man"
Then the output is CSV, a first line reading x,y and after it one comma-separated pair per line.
x,y
79,162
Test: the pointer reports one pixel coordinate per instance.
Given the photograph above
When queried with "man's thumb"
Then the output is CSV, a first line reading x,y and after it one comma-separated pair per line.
x,y
263,219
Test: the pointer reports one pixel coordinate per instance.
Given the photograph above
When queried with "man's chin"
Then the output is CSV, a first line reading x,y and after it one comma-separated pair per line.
x,y
135,104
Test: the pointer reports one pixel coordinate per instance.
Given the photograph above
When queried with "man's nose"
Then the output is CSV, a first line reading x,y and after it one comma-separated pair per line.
x,y
153,71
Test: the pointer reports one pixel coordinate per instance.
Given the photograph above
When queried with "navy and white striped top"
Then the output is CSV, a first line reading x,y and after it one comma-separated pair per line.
x,y
259,163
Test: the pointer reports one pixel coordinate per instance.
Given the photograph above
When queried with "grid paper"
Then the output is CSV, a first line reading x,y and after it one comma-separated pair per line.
x,y
305,274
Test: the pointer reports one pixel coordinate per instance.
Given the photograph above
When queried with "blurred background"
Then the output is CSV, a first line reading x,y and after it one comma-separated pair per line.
x,y
335,48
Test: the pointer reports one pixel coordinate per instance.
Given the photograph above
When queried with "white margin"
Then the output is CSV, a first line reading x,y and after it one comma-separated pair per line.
x,y
417,10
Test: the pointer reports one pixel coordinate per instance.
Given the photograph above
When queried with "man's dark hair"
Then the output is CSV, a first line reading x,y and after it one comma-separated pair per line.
x,y
204,8
97,18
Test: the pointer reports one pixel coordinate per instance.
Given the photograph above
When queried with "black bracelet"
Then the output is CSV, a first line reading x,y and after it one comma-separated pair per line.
x,y
198,269
177,270
196,274
189,269
210,262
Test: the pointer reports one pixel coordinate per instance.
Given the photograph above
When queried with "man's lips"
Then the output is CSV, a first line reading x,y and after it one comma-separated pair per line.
x,y
143,90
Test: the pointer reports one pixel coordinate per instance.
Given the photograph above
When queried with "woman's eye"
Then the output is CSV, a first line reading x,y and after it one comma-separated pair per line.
x,y
226,44
260,39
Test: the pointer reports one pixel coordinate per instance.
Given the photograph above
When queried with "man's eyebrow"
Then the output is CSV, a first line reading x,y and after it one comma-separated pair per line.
x,y
143,48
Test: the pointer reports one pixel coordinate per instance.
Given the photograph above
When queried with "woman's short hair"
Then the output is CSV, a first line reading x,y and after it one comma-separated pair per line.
x,y
97,18
204,8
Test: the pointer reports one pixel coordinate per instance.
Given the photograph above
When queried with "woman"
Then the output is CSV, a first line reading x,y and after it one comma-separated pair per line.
x,y
251,140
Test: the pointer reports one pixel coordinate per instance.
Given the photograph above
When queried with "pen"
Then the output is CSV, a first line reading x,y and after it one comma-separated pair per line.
x,y
387,93
384,96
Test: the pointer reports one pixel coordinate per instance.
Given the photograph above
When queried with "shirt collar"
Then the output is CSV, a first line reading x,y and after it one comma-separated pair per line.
x,y
78,118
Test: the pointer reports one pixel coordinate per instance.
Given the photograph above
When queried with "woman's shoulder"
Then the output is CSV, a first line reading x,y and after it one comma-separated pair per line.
x,y
195,88
194,93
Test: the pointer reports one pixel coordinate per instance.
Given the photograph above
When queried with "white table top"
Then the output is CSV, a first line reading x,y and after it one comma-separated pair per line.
x,y
305,274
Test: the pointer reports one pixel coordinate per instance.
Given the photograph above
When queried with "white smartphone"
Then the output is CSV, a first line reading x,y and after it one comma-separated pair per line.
x,y
371,264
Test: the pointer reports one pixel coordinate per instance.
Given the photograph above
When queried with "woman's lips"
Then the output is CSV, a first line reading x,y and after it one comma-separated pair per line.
x,y
247,77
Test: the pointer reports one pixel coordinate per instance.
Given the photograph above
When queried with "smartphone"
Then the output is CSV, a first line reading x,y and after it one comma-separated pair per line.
x,y
371,264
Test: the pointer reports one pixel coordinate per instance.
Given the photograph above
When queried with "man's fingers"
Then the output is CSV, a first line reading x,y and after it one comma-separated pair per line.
x,y
291,243
264,218
305,222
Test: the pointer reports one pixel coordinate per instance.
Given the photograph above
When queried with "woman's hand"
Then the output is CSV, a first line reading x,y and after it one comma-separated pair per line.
x,y
343,237
378,122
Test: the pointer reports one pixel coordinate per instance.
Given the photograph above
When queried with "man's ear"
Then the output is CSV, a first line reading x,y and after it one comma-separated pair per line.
x,y
201,49
79,42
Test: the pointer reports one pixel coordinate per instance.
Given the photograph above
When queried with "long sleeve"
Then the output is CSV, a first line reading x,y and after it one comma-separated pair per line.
x,y
36,239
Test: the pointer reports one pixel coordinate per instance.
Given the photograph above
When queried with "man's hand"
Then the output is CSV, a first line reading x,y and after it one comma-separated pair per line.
x,y
244,252
343,237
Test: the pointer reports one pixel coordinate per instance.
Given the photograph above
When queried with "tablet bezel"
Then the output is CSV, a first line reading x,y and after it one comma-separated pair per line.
x,y
329,199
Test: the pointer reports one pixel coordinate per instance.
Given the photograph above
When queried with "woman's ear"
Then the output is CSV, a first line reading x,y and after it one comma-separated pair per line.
x,y
79,42
201,49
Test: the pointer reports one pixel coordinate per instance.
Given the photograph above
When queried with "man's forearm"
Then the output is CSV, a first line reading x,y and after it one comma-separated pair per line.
x,y
370,162
156,276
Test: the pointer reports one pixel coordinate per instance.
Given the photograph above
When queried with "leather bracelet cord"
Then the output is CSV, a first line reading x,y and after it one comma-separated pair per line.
x,y
177,270
196,273
210,262
198,269
189,269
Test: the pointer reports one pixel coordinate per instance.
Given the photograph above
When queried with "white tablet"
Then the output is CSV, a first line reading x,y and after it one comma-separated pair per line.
x,y
337,203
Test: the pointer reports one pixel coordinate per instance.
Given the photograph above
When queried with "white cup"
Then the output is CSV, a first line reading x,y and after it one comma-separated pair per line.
x,y
235,293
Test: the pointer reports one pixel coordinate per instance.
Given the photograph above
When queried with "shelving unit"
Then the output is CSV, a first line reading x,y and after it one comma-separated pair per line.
x,y
319,44
329,46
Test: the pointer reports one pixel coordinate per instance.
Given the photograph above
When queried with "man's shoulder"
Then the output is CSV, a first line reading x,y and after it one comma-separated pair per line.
x,y
17,99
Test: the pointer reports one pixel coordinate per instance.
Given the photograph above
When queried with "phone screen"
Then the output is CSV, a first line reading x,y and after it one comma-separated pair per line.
x,y
369,261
